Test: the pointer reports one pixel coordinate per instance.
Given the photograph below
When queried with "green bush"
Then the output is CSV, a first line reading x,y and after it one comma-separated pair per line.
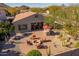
x,y
58,26
34,53
77,45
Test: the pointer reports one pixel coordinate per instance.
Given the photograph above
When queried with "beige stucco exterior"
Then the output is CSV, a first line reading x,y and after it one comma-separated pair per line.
x,y
28,21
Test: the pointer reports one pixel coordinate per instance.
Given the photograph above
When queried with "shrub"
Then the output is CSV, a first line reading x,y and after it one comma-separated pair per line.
x,y
58,26
34,53
77,45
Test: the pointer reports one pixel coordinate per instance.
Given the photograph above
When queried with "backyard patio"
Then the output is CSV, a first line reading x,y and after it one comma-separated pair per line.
x,y
46,45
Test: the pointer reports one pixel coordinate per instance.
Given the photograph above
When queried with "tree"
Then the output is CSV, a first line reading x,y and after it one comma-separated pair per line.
x,y
12,11
37,10
5,29
71,24
49,20
7,13
34,53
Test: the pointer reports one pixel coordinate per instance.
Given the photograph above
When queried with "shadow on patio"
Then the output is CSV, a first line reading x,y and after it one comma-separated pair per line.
x,y
70,53
7,46
10,53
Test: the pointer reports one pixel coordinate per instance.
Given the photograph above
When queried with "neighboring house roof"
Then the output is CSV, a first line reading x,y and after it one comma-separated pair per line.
x,y
10,17
23,15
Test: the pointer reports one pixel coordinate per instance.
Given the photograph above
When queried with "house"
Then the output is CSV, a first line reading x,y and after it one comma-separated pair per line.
x,y
28,21
3,16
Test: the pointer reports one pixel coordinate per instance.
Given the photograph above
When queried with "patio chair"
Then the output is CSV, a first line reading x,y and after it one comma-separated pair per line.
x,y
29,43
34,36
35,41
42,46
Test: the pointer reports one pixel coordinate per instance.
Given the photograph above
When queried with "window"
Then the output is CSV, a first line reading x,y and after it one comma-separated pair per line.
x,y
22,27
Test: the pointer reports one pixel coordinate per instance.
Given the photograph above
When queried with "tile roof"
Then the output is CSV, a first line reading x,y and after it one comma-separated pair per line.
x,y
23,15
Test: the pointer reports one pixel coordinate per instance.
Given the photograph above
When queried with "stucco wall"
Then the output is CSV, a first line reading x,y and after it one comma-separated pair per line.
x,y
28,21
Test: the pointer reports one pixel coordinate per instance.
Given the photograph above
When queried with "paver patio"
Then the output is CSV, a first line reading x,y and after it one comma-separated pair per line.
x,y
24,48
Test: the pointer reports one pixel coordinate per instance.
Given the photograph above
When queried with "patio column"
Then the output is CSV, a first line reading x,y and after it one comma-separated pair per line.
x,y
29,27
